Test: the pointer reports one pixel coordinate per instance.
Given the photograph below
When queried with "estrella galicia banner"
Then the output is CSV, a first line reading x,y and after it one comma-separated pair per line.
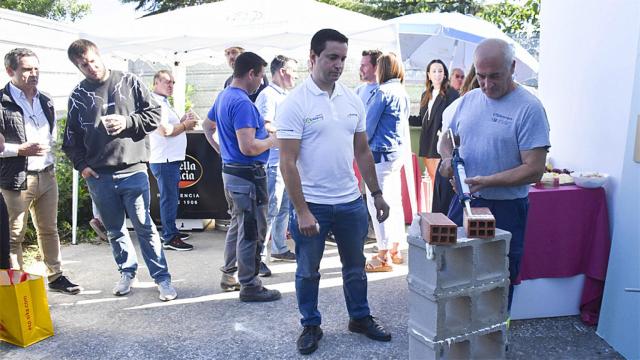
x,y
190,172
201,193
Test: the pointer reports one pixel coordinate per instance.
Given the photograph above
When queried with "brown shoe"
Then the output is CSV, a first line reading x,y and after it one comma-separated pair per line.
x,y
98,227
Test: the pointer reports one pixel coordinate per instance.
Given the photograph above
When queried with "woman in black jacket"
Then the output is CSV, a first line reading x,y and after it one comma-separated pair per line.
x,y
437,96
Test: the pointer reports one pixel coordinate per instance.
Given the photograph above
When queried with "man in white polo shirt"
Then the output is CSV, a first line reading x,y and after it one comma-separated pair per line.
x,y
321,129
168,146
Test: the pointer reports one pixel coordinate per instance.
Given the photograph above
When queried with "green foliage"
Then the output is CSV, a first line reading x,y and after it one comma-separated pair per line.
x,y
160,6
51,9
64,176
520,22
64,173
189,91
512,18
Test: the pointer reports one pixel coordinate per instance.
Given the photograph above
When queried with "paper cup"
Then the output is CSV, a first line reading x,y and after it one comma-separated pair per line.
x,y
106,120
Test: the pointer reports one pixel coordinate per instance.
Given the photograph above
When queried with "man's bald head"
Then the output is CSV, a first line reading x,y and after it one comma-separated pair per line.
x,y
495,64
497,49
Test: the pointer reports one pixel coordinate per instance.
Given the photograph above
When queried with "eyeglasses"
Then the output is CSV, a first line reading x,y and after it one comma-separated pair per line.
x,y
459,76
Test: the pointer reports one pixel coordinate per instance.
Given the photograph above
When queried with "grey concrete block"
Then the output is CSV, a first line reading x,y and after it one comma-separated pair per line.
x,y
451,267
464,310
442,317
491,259
487,343
469,262
489,305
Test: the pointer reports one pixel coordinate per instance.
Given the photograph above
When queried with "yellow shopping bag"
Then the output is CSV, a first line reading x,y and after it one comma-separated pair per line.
x,y
24,310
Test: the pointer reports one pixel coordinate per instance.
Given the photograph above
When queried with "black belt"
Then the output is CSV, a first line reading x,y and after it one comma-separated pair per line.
x,y
243,166
247,172
36,172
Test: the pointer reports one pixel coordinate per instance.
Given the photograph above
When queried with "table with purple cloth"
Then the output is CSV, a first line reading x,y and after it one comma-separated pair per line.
x,y
567,235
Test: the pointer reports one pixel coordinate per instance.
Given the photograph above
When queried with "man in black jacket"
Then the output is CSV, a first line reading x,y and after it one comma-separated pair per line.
x,y
110,114
27,175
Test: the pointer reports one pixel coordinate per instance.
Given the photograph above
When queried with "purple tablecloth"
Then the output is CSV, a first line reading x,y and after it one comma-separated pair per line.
x,y
567,235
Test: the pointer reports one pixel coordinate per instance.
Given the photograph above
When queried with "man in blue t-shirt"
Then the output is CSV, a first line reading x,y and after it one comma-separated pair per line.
x,y
244,148
504,137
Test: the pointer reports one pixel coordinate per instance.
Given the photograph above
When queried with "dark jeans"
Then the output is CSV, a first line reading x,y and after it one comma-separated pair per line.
x,y
349,224
4,235
511,215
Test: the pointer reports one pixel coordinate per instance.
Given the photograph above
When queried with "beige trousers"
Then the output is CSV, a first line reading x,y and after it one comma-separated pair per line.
x,y
41,200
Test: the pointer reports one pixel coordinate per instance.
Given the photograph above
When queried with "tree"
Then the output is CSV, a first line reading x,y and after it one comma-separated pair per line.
x,y
520,22
153,7
512,18
51,9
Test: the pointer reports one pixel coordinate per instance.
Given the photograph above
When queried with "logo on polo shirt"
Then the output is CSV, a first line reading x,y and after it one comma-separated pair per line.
x,y
311,120
501,119
190,172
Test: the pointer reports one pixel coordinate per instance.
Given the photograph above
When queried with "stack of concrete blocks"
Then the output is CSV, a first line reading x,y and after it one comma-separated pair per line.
x,y
458,296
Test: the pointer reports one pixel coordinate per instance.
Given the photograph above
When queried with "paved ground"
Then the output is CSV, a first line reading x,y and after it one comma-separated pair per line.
x,y
205,323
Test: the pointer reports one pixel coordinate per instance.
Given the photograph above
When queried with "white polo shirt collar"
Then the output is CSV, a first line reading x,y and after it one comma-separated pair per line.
x,y
277,88
315,90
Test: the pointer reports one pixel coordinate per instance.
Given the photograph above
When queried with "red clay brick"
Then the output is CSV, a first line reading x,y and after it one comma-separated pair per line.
x,y
436,228
481,224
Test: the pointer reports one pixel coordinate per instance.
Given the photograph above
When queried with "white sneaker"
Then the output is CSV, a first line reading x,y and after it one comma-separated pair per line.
x,y
123,287
167,292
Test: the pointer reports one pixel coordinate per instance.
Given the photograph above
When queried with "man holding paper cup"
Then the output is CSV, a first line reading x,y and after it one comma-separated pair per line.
x,y
27,174
110,114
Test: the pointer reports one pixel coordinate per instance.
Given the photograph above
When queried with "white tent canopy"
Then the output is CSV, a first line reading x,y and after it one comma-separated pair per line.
x,y
200,33
450,37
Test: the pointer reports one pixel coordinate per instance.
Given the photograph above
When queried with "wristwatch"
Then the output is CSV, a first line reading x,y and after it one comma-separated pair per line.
x,y
376,193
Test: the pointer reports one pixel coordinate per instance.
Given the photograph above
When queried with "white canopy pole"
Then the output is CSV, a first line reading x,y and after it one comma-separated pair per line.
x,y
453,56
179,72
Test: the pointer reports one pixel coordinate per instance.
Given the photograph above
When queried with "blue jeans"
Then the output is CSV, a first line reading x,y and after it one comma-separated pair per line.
x,y
115,195
349,224
278,213
511,215
168,176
